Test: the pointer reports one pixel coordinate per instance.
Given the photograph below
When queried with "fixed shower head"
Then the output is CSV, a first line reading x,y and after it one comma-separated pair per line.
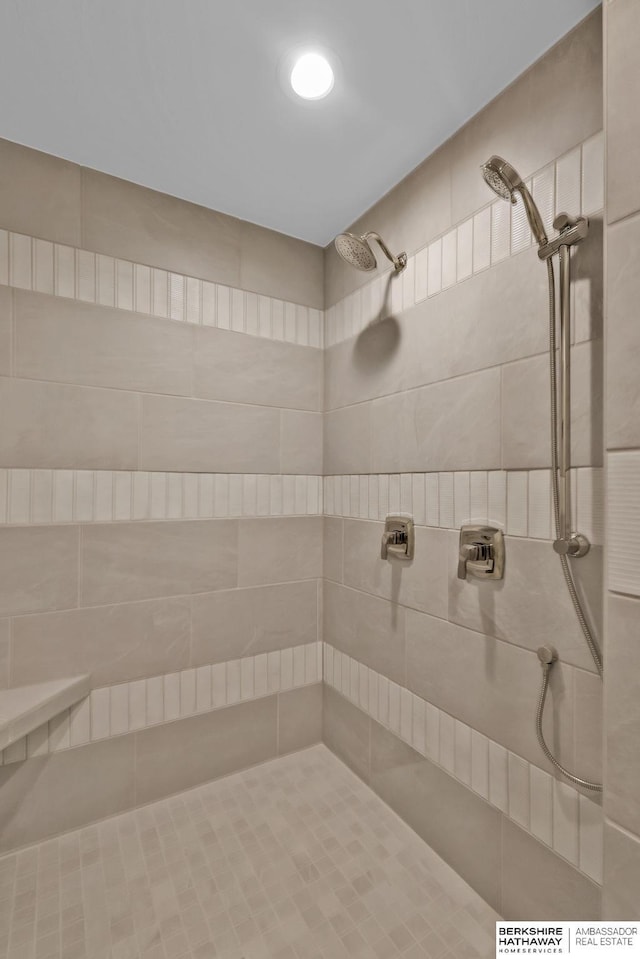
x,y
505,181
356,251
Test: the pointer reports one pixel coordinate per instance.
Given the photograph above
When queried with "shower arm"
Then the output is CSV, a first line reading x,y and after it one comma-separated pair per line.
x,y
399,262
571,231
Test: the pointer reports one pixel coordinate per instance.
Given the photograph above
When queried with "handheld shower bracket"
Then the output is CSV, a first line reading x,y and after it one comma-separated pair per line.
x,y
572,231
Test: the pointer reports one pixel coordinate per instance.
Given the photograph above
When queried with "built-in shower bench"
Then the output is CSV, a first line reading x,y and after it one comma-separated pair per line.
x,y
24,708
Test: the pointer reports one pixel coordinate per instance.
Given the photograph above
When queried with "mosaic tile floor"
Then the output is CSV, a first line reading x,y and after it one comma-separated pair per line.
x,y
295,859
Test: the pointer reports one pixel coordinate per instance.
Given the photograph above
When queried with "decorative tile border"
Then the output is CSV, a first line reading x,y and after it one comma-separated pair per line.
x,y
574,182
552,811
519,501
28,263
128,707
30,497
623,479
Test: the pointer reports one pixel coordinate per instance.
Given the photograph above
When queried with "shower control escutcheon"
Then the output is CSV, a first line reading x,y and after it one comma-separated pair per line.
x,y
481,552
398,539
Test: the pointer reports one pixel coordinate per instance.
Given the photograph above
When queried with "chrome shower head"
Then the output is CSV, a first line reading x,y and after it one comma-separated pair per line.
x,y
501,177
356,251
505,181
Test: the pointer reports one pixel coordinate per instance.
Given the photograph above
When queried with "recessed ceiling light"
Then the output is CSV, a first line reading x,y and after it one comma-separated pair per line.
x,y
312,76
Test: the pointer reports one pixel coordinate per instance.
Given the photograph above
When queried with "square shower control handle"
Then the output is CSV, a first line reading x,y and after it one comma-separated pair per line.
x,y
481,552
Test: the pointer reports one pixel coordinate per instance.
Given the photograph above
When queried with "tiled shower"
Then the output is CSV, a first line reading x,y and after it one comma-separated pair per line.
x,y
203,425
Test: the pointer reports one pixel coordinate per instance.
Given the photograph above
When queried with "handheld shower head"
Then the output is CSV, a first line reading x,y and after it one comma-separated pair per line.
x,y
505,181
356,251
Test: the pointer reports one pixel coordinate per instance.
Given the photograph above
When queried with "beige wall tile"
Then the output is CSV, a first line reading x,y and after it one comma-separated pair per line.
x,y
248,369
278,550
40,194
492,686
301,442
132,222
203,436
47,425
38,569
332,548
623,123
456,823
345,730
525,410
73,342
494,317
5,331
140,561
454,425
421,583
368,629
532,600
4,653
623,333
299,718
204,747
113,643
347,440
244,622
42,797
622,873
536,882
622,713
278,265
588,725
129,221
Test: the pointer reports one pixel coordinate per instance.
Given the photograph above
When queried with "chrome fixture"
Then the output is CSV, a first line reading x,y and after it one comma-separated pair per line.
x,y
356,251
481,552
506,182
398,539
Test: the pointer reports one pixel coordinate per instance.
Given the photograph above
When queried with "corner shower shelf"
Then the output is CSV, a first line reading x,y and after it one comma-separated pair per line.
x,y
24,708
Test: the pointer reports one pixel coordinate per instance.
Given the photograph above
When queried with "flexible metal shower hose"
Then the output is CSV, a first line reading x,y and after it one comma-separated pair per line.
x,y
566,569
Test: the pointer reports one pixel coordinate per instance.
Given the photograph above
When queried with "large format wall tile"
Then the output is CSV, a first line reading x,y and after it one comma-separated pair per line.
x,y
38,569
47,425
39,194
347,440
622,715
244,622
43,797
496,316
623,123
202,436
490,685
622,874
4,653
112,643
73,342
366,628
248,369
126,220
346,731
531,605
421,583
301,442
454,425
129,562
460,826
535,882
299,718
332,538
279,550
204,747
623,331
526,405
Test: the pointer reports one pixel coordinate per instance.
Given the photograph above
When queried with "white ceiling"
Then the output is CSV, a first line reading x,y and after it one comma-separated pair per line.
x,y
185,96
